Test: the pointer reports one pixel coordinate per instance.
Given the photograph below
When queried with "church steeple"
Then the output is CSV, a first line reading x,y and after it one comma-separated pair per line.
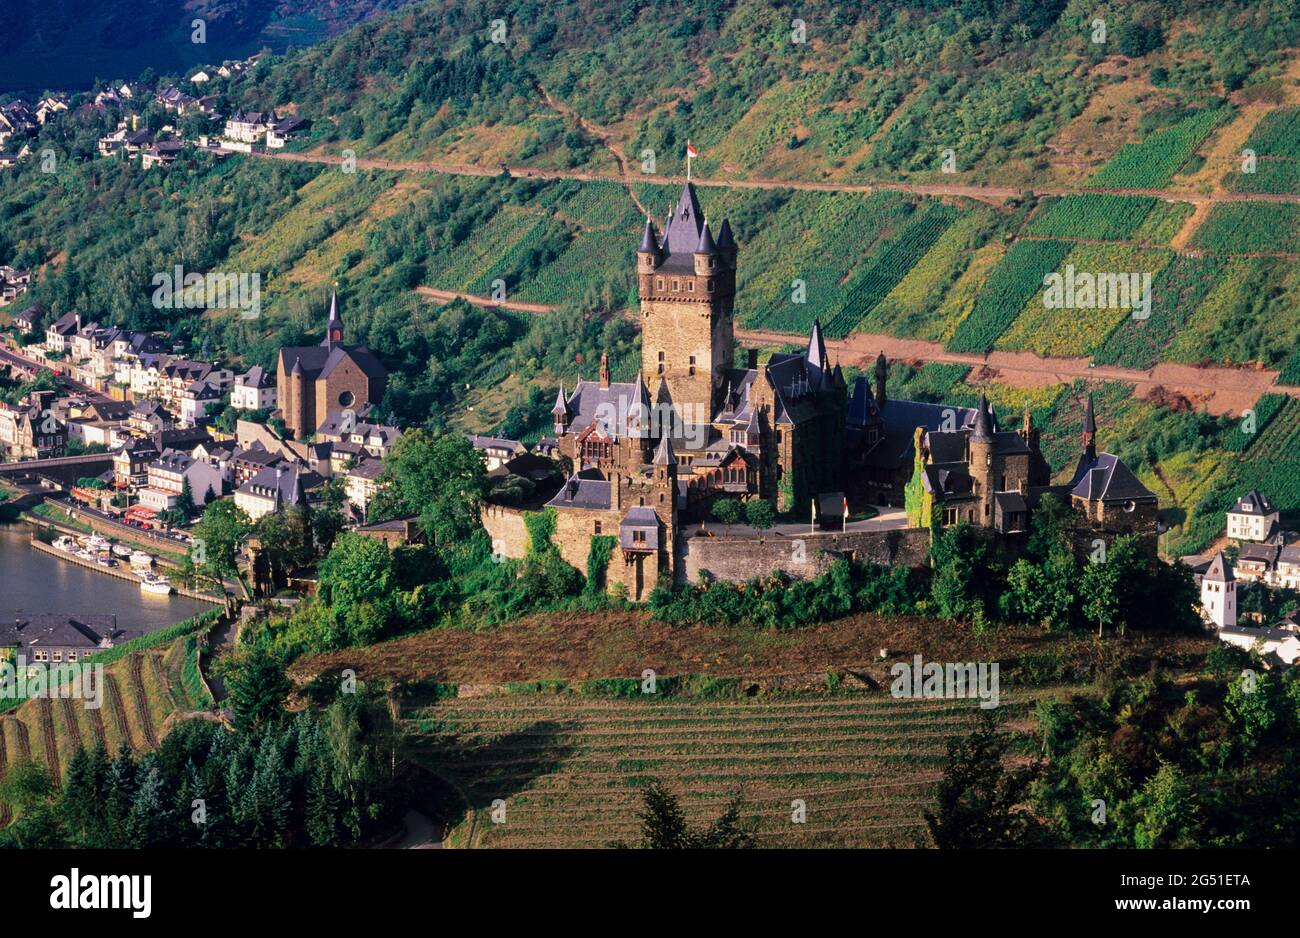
x,y
334,326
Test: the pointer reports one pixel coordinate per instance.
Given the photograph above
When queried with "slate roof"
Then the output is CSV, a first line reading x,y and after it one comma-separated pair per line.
x,y
1219,571
583,490
589,400
1254,503
256,377
1104,477
639,519
51,630
286,486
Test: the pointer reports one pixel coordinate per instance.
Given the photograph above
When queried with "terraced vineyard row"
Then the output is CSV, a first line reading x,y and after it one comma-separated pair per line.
x,y
1009,287
1152,163
569,769
1092,215
891,265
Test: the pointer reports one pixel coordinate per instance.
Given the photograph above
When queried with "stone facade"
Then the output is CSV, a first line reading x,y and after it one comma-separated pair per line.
x,y
742,558
316,382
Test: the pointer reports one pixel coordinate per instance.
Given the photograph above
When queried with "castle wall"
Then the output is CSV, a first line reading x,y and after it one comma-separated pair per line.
x,y
505,526
742,558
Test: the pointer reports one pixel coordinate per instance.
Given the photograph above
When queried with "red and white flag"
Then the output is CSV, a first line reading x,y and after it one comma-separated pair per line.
x,y
846,510
691,151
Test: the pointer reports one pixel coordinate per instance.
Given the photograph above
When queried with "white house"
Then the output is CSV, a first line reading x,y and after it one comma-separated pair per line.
x,y
271,489
58,337
200,77
1280,641
254,390
1219,594
1252,518
199,399
167,477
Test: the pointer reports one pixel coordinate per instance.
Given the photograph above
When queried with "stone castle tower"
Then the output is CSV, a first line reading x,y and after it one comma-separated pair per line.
x,y
688,286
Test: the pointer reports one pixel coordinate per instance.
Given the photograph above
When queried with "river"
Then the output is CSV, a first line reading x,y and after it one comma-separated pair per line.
x,y
31,581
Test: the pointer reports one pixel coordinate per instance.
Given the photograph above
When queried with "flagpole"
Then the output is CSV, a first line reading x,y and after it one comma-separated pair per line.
x,y
688,160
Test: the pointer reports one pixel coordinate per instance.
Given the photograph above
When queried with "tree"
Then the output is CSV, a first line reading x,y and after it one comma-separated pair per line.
x,y
257,686
664,826
760,514
727,511
220,531
978,796
439,478
185,500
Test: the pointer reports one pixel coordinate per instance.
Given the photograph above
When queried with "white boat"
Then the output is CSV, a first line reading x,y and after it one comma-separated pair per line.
x,y
121,550
155,584
64,543
140,559
95,542
83,554
104,560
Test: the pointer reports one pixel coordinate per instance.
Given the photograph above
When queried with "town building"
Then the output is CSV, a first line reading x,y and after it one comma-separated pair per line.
x,y
275,488
167,477
1219,593
48,638
1253,518
254,390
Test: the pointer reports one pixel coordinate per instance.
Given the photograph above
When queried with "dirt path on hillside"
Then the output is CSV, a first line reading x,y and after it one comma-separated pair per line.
x,y
1219,390
953,190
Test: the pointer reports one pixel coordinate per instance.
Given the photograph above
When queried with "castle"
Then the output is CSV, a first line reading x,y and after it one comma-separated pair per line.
x,y
643,457
316,381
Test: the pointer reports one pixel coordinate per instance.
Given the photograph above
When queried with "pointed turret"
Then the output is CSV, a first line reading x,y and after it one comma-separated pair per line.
x,y
837,378
649,239
664,455
816,359
726,241
682,234
882,373
560,412
707,244
296,371
1090,430
604,370
982,428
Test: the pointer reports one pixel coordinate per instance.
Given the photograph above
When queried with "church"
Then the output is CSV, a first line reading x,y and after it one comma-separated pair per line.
x,y
314,382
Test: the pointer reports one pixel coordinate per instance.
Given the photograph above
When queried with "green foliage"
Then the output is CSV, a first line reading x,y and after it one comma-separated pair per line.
x,y
980,801
759,514
664,825
598,557
1152,163
541,527
257,686
1106,217
780,602
1009,287
439,478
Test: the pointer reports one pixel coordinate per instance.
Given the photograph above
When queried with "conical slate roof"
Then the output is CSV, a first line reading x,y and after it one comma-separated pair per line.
x,y
1089,418
706,245
816,358
664,455
726,240
561,408
982,429
682,234
649,240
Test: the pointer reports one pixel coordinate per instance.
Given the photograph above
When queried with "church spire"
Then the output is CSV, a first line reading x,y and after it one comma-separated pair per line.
x,y
334,326
1090,430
